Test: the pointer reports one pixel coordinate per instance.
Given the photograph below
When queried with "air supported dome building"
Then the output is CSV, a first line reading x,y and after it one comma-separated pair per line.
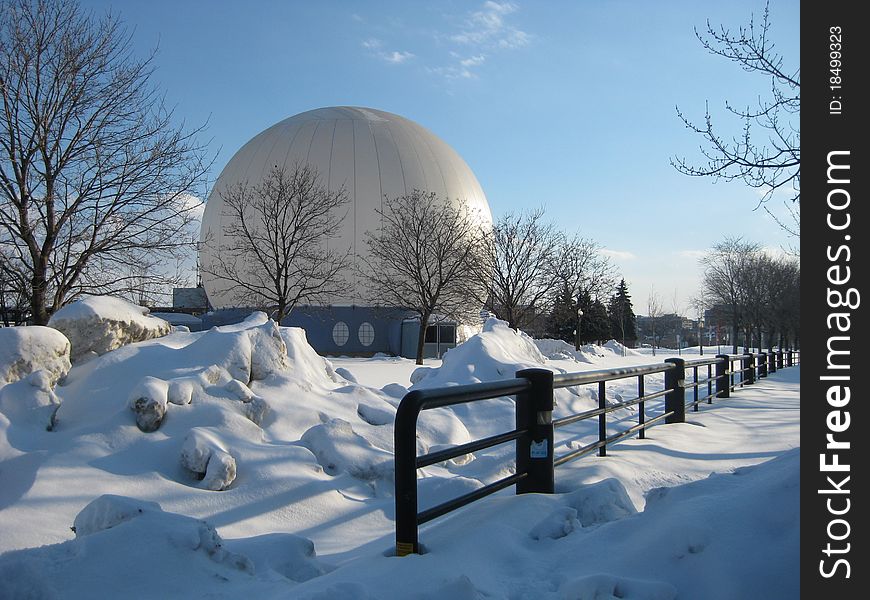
x,y
372,154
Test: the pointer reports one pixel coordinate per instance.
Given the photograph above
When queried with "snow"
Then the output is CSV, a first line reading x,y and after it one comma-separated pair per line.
x,y
205,455
269,474
560,349
98,324
30,402
24,350
497,352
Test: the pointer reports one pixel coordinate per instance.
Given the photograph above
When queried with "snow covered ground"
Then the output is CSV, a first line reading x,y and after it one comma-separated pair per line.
x,y
268,473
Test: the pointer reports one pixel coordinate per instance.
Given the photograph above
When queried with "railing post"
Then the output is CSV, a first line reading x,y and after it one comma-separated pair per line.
x,y
641,415
405,476
723,388
762,365
779,364
535,447
602,419
695,389
675,399
772,358
789,359
709,384
749,365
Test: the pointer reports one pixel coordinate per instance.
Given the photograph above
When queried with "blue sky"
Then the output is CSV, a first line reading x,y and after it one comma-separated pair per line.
x,y
565,104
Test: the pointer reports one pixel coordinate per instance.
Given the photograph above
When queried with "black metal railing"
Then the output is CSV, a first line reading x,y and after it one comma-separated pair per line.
x,y
534,431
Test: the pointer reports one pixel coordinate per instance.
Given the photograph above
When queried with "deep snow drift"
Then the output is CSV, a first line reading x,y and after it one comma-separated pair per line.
x,y
239,462
95,325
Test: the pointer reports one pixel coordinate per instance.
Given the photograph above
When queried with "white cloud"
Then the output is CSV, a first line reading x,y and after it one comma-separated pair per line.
x,y
462,69
394,57
618,254
397,57
472,39
487,27
472,61
481,33
778,253
695,255
190,204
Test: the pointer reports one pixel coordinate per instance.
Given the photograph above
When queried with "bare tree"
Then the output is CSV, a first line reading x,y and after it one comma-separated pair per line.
x,y
581,269
13,293
725,271
654,313
678,321
766,154
273,254
523,250
92,169
699,303
775,285
428,257
786,304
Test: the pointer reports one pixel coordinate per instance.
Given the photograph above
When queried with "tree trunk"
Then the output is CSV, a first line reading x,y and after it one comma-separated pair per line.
x,y
421,338
38,310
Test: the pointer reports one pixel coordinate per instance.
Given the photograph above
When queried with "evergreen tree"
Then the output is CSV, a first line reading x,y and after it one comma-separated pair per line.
x,y
563,318
622,318
595,325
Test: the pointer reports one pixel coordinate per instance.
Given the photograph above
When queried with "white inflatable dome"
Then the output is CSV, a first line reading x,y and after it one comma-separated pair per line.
x,y
371,153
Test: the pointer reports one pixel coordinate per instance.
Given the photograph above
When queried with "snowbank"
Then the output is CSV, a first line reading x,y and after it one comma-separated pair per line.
x,y
305,362
129,548
497,352
620,349
340,449
30,402
560,350
100,324
729,536
24,350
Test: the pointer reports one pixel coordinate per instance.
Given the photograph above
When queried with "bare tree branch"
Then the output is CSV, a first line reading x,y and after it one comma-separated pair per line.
x,y
766,154
274,253
523,255
93,173
428,257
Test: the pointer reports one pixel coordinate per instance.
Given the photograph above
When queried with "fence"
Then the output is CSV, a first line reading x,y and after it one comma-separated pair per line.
x,y
534,432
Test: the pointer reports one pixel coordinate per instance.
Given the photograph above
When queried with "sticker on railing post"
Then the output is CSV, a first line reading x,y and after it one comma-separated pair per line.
x,y
539,449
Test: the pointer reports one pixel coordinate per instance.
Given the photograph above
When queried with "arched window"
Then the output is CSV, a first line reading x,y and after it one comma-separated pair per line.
x,y
340,333
366,334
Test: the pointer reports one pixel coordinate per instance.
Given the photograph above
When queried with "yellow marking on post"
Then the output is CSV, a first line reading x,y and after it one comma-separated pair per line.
x,y
404,548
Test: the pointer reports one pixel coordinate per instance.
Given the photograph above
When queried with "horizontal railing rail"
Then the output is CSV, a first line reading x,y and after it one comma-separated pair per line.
x,y
535,426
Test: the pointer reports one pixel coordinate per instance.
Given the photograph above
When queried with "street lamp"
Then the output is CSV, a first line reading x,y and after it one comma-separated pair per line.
x,y
701,335
577,332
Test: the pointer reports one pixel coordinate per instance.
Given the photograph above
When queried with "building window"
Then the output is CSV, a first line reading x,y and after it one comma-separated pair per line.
x,y
440,334
340,333
366,334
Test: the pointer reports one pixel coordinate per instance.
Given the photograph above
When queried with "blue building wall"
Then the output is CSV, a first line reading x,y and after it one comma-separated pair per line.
x,y
382,326
320,325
